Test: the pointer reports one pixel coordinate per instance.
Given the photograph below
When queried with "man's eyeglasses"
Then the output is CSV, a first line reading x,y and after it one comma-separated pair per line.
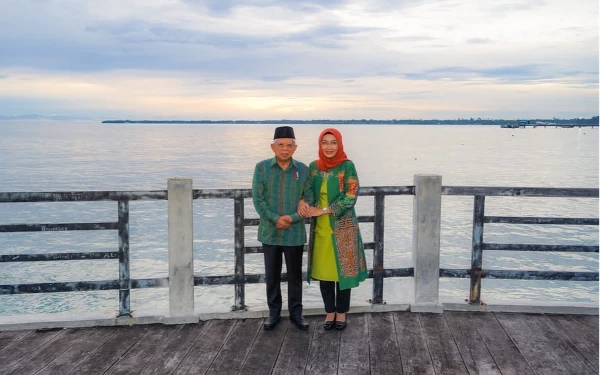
x,y
282,146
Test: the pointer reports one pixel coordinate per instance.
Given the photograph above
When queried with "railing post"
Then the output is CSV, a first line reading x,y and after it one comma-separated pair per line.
x,y
238,209
476,252
427,207
378,250
181,259
124,274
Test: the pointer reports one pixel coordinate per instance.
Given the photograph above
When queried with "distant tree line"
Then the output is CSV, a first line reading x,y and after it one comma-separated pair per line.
x,y
459,121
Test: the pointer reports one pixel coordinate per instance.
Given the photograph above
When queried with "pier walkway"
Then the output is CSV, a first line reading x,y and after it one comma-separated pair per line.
x,y
373,343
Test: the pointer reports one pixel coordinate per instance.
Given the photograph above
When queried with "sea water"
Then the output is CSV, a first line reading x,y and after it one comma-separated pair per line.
x,y
91,156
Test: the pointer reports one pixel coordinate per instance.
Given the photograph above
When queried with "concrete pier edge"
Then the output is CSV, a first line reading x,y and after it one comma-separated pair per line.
x,y
57,321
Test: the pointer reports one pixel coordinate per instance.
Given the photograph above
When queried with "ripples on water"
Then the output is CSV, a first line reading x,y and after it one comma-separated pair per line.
x,y
90,156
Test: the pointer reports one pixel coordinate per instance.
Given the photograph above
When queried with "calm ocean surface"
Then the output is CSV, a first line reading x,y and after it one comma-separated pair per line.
x,y
76,156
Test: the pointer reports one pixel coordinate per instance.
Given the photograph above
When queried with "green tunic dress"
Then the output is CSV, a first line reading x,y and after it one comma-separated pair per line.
x,y
323,256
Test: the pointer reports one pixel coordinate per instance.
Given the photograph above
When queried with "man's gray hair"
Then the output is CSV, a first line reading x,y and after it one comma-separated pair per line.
x,y
276,139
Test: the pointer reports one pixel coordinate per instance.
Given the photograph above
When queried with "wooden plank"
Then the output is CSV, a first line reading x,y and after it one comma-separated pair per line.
x,y
475,354
559,346
384,355
444,353
46,353
179,344
293,355
354,358
531,344
7,338
79,350
413,347
201,355
19,349
584,339
263,354
590,321
107,354
324,350
505,353
236,347
142,351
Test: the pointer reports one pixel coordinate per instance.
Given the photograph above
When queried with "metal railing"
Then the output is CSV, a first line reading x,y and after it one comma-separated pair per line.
x,y
124,283
239,279
476,273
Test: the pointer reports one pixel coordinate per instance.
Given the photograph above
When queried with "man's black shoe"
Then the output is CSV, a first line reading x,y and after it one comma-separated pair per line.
x,y
299,321
271,322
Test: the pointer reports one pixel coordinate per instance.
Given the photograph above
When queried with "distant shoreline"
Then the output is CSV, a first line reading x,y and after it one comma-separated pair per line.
x,y
592,121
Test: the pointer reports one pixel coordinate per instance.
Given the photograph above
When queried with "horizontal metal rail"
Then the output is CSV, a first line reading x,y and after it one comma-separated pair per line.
x,y
259,250
260,277
82,196
247,193
541,275
540,220
361,219
59,256
57,227
521,275
537,247
79,286
520,191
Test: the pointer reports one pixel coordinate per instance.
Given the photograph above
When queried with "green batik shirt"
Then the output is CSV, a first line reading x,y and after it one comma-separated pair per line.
x,y
276,193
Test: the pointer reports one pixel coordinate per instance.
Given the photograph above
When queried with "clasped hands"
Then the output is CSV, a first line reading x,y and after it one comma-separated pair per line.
x,y
284,222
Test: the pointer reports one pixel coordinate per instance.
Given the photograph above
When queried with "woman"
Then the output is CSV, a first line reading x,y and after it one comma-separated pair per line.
x,y
335,252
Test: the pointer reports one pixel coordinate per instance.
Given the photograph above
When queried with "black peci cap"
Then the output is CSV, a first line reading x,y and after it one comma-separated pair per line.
x,y
284,132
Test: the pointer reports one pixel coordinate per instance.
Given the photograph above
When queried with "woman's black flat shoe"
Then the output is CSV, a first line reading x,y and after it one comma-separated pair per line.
x,y
328,325
340,325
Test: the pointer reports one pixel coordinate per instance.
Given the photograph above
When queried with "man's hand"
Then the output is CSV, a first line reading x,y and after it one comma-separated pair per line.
x,y
284,222
303,208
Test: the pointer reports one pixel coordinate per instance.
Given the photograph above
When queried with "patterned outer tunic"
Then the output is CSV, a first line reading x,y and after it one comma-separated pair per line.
x,y
342,191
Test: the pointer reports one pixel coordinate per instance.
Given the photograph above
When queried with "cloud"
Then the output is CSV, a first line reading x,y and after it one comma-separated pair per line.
x,y
479,41
142,32
504,73
375,55
517,6
223,8
275,78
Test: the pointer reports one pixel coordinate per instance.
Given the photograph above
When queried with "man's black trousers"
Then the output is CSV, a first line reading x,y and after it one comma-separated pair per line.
x,y
293,264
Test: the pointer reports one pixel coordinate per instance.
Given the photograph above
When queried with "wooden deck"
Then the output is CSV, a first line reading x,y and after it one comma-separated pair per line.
x,y
382,343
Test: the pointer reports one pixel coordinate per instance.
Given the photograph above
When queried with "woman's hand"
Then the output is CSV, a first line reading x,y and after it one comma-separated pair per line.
x,y
304,209
315,211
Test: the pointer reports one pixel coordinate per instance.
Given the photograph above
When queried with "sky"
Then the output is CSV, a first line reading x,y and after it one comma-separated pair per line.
x,y
291,59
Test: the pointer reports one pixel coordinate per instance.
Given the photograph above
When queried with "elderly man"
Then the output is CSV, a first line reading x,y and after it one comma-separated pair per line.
x,y
277,186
